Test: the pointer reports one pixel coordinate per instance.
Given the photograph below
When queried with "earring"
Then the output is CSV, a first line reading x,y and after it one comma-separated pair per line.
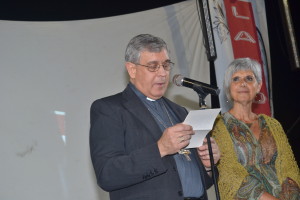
x,y
257,97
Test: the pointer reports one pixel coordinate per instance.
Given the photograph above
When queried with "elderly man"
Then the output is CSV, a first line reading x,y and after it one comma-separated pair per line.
x,y
135,135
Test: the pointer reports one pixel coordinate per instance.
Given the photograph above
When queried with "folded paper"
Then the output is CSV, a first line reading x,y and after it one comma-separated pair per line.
x,y
202,122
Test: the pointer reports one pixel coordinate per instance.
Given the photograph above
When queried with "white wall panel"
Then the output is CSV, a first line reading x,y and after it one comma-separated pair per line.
x,y
51,72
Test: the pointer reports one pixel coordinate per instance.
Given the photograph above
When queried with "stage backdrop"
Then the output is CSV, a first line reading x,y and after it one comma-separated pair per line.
x,y
51,72
240,30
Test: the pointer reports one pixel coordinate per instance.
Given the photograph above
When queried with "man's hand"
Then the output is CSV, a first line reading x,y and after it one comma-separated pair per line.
x,y
175,138
204,153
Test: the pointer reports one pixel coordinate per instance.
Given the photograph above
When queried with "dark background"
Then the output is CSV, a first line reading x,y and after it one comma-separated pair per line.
x,y
285,77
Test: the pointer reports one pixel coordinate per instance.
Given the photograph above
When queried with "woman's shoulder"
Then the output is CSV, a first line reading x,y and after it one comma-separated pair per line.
x,y
219,126
270,120
275,127
218,120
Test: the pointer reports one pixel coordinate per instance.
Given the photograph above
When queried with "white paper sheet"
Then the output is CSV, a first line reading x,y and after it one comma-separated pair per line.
x,y
202,122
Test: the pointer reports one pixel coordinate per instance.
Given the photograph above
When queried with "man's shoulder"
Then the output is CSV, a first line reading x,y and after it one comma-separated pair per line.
x,y
176,107
115,99
111,98
172,103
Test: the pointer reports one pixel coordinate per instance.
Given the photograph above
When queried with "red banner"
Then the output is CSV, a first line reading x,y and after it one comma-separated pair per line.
x,y
242,28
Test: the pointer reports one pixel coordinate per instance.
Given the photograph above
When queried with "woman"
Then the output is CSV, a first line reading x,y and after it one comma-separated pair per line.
x,y
257,161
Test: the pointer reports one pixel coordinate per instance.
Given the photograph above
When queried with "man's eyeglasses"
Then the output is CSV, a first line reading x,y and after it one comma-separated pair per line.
x,y
155,66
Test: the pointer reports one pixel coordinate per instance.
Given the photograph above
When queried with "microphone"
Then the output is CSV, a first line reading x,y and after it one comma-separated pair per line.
x,y
179,80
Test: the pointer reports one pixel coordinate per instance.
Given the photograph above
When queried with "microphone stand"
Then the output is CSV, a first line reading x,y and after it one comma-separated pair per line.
x,y
202,95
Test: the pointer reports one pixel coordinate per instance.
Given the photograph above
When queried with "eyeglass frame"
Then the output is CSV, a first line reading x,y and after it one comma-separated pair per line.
x,y
171,65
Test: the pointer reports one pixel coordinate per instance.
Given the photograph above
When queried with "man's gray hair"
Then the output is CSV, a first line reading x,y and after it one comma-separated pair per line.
x,y
143,42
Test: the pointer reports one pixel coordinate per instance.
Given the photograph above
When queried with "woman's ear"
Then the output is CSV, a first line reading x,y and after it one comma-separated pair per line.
x,y
131,69
259,87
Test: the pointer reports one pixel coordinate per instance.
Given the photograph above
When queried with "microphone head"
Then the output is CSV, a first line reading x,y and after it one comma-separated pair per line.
x,y
178,79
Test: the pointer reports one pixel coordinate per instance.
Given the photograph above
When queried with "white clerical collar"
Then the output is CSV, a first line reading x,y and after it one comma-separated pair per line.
x,y
149,99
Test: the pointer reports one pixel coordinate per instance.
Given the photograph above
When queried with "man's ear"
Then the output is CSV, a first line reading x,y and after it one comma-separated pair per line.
x,y
131,69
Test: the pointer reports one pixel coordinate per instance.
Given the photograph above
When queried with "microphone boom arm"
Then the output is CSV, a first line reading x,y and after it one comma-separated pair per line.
x,y
206,88
202,95
202,90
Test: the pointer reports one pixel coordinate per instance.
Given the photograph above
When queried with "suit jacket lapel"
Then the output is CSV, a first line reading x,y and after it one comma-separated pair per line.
x,y
134,105
180,112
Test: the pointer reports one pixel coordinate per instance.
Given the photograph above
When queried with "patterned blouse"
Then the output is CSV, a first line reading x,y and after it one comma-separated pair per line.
x,y
258,156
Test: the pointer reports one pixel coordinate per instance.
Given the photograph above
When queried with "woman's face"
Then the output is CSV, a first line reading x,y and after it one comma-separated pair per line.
x,y
244,87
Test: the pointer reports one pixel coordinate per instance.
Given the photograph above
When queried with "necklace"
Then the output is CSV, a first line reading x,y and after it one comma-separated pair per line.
x,y
169,117
249,122
159,118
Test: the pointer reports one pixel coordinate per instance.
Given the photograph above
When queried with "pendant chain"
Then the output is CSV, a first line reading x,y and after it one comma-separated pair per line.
x,y
159,120
184,152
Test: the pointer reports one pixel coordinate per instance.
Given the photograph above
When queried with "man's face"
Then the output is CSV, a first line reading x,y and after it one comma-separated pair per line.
x,y
151,84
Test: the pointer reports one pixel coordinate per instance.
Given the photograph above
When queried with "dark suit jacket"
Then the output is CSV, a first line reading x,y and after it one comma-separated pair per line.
x,y
124,151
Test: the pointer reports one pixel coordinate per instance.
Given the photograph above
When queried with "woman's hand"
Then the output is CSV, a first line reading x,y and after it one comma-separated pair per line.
x,y
203,153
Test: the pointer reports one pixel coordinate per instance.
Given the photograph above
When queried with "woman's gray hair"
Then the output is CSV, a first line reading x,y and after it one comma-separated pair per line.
x,y
241,64
143,42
